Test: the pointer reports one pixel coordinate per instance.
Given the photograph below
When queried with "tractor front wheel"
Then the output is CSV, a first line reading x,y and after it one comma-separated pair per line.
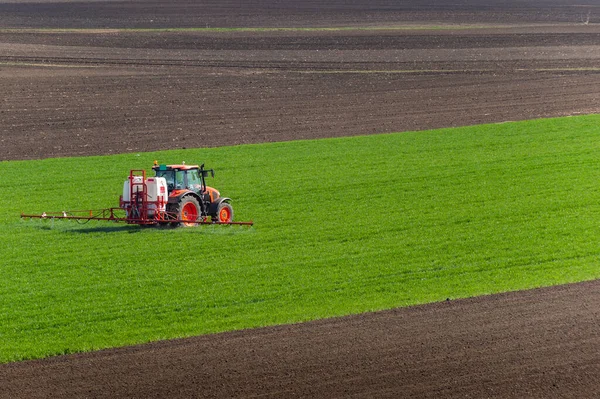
x,y
188,211
224,213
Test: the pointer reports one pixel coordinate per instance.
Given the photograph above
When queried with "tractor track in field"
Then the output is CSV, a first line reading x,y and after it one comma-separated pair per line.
x,y
97,92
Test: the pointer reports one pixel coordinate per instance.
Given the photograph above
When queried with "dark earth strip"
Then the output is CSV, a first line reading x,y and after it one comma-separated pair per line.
x,y
199,91
285,13
314,40
536,344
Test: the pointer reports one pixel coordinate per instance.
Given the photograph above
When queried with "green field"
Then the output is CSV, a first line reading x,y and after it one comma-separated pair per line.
x,y
342,226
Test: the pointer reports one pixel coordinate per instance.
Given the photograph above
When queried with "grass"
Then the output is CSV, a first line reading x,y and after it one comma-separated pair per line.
x,y
342,226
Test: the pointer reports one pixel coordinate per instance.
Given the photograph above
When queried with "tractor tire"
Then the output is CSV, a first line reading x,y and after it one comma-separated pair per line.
x,y
188,209
224,213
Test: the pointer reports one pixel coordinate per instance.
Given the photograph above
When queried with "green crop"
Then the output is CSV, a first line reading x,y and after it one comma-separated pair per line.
x,y
342,226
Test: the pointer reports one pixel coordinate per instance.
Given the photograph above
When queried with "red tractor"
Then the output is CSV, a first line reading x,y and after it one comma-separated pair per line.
x,y
189,198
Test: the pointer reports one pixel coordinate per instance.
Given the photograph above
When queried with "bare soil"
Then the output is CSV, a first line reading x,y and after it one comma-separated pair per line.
x,y
103,91
532,344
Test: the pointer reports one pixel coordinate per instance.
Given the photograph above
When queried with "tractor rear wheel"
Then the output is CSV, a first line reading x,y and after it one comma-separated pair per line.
x,y
224,213
188,210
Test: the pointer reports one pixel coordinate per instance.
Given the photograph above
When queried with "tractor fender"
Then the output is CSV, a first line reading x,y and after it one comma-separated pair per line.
x,y
176,195
212,208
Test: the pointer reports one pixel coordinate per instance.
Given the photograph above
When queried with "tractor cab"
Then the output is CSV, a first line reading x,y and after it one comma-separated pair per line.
x,y
184,177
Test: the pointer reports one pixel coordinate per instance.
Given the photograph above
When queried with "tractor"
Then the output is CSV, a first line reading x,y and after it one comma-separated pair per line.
x,y
176,195
189,198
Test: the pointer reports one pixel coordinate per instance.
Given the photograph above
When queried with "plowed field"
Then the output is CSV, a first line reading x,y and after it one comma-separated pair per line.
x,y
76,82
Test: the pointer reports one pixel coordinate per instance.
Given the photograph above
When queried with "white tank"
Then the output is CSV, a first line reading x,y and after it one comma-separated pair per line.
x,y
156,189
158,193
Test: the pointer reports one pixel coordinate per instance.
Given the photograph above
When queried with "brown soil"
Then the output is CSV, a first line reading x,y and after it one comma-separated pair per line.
x,y
85,93
541,343
284,13
108,91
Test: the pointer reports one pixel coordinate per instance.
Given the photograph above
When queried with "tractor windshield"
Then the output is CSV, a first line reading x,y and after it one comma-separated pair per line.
x,y
194,182
181,179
